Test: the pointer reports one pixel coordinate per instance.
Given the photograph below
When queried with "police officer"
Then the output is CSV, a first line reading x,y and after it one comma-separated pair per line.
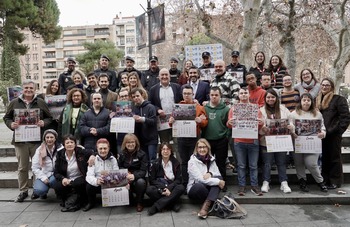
x,y
150,76
129,67
65,78
113,80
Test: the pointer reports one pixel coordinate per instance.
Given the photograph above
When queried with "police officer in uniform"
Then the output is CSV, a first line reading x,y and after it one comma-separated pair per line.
x,y
129,67
150,76
65,78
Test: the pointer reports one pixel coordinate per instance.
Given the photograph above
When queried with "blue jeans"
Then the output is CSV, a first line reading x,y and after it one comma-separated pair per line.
x,y
152,152
41,189
280,160
243,152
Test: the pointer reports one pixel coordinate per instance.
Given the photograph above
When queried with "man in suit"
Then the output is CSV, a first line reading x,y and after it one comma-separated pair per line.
x,y
200,88
163,96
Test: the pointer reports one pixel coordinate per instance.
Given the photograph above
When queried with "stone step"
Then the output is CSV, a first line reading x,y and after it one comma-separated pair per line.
x,y
9,179
274,196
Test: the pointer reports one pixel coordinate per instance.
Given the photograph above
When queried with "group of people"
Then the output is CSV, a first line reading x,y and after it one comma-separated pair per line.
x,y
78,146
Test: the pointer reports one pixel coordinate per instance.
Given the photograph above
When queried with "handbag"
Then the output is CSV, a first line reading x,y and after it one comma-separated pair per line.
x,y
227,208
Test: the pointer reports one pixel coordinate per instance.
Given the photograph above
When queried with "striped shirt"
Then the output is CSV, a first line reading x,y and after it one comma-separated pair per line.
x,y
290,99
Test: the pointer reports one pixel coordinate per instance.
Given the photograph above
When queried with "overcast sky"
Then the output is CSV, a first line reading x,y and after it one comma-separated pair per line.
x,y
89,12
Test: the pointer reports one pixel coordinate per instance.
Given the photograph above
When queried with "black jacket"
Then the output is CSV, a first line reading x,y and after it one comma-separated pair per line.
x,y
150,78
238,68
156,175
174,75
135,162
61,164
113,80
129,71
336,117
100,121
146,131
154,95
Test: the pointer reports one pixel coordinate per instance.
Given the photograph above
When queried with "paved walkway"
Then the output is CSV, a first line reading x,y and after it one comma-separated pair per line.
x,y
42,213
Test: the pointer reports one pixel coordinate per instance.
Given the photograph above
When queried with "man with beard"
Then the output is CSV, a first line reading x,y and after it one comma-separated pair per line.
x,y
226,82
145,116
92,88
112,75
129,67
108,96
174,71
200,88
150,76
95,123
65,78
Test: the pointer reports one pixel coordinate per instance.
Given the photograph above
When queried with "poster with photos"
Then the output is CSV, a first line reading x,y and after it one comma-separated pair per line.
x,y
185,129
277,126
307,140
14,92
28,130
237,75
122,109
56,104
245,121
113,190
184,111
207,74
163,122
194,53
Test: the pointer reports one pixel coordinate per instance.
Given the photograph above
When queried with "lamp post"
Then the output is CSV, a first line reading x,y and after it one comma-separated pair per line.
x,y
149,14
181,57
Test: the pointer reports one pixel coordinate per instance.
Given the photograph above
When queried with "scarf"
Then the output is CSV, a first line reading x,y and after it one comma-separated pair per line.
x,y
43,149
322,101
308,87
205,159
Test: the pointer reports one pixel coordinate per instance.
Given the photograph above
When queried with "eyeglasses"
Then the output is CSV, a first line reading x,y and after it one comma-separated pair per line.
x,y
305,74
202,147
325,85
287,80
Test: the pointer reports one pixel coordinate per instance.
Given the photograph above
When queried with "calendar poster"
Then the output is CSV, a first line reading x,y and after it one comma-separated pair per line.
x,y
279,143
114,192
307,140
207,74
237,75
194,52
118,196
245,123
184,111
28,130
163,123
185,129
122,125
56,104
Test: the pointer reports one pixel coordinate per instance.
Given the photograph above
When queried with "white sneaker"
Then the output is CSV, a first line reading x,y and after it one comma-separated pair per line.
x,y
265,187
285,188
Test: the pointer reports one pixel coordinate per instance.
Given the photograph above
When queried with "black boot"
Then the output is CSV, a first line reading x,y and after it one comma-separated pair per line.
x,y
323,186
302,185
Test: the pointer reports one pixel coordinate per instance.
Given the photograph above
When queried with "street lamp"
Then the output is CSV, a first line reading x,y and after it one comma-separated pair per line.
x,y
149,13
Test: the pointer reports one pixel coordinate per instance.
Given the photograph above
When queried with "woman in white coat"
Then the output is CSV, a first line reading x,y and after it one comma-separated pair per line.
x,y
104,161
205,181
43,163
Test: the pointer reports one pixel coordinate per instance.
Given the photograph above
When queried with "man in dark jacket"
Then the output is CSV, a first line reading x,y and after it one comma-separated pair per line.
x,y
26,149
92,88
65,78
129,67
237,69
145,123
174,71
150,76
112,75
95,123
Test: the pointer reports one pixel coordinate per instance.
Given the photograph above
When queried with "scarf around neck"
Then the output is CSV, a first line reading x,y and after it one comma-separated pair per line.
x,y
322,101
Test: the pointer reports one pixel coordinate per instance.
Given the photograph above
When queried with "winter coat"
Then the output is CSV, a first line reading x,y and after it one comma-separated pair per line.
x,y
45,171
146,131
61,164
18,103
100,121
94,172
135,162
196,170
156,175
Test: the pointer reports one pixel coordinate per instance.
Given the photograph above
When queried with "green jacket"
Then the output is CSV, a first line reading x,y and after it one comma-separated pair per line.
x,y
217,118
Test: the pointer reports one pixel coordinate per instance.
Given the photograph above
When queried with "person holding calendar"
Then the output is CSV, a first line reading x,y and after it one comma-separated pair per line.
x,y
306,109
273,110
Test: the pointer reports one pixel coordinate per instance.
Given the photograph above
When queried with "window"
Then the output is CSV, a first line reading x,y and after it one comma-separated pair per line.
x,y
130,50
59,44
35,57
60,65
130,40
50,75
27,67
68,53
67,43
36,66
28,76
27,57
35,46
36,76
59,54
50,54
50,64
81,31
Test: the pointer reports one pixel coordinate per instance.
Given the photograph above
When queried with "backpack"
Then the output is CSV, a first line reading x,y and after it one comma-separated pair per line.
x,y
227,208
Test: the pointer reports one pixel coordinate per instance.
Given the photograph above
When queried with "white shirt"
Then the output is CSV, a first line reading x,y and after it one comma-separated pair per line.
x,y
73,171
166,96
168,170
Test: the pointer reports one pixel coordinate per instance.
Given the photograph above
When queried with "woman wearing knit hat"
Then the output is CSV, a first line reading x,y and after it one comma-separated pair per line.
x,y
43,164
